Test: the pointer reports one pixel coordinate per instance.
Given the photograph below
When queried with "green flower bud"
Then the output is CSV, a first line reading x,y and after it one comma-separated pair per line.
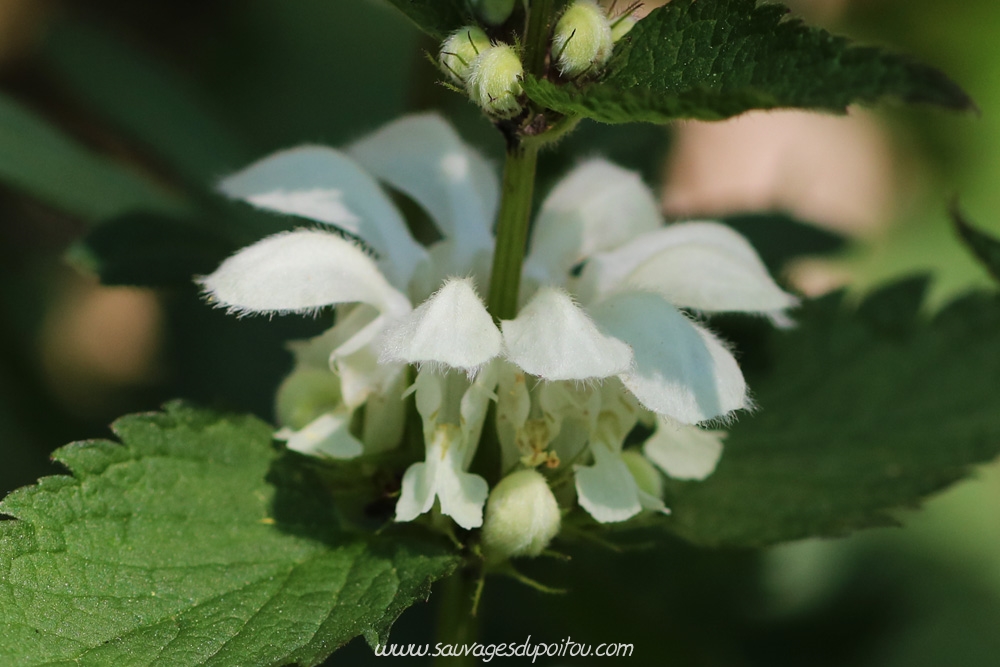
x,y
622,26
305,395
647,477
582,39
493,12
460,49
494,81
522,516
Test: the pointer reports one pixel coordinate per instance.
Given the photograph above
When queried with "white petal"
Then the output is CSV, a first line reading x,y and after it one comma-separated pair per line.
x,y
598,206
300,271
423,156
555,339
702,265
417,494
607,489
680,369
325,185
327,435
462,495
684,452
452,327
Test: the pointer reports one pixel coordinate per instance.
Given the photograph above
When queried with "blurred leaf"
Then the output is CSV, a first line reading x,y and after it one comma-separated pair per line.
x,y
860,412
310,71
145,100
435,17
169,549
778,237
713,60
39,160
985,247
147,250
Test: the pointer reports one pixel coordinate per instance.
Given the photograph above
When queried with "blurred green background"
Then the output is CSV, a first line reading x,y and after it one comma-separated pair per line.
x,y
183,91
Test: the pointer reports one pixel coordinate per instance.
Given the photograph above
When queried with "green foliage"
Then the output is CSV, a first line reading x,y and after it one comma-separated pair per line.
x,y
147,250
860,413
41,161
190,543
985,247
144,99
713,60
435,17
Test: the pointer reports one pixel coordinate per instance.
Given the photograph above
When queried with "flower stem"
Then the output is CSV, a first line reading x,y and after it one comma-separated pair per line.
x,y
512,229
536,36
457,623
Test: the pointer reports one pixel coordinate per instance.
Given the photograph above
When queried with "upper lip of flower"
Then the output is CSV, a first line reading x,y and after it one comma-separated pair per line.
x,y
622,322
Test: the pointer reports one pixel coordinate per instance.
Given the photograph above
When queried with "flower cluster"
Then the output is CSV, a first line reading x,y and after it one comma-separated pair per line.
x,y
490,70
603,339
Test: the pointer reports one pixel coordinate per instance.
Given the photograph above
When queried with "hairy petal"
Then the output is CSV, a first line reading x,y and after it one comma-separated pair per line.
x,y
701,265
598,206
327,186
422,156
555,339
299,272
451,327
681,370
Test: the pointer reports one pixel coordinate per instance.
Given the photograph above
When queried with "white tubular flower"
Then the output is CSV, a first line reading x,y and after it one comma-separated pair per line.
x,y
453,410
613,327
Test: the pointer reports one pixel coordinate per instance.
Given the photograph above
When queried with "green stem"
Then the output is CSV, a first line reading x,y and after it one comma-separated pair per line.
x,y
536,36
519,179
457,623
512,229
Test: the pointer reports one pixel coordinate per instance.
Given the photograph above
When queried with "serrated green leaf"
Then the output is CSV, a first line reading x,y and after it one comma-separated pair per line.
x,y
144,99
986,248
713,60
435,17
42,162
861,412
187,545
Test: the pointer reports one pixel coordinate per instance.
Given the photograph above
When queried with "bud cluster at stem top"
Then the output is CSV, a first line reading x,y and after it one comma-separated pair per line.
x,y
490,71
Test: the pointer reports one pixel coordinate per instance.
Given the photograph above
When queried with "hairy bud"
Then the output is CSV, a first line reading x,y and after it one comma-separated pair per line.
x,y
582,40
522,516
460,49
494,81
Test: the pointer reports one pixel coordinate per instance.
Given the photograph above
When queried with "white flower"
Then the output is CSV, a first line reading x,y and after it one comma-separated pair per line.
x,y
401,303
